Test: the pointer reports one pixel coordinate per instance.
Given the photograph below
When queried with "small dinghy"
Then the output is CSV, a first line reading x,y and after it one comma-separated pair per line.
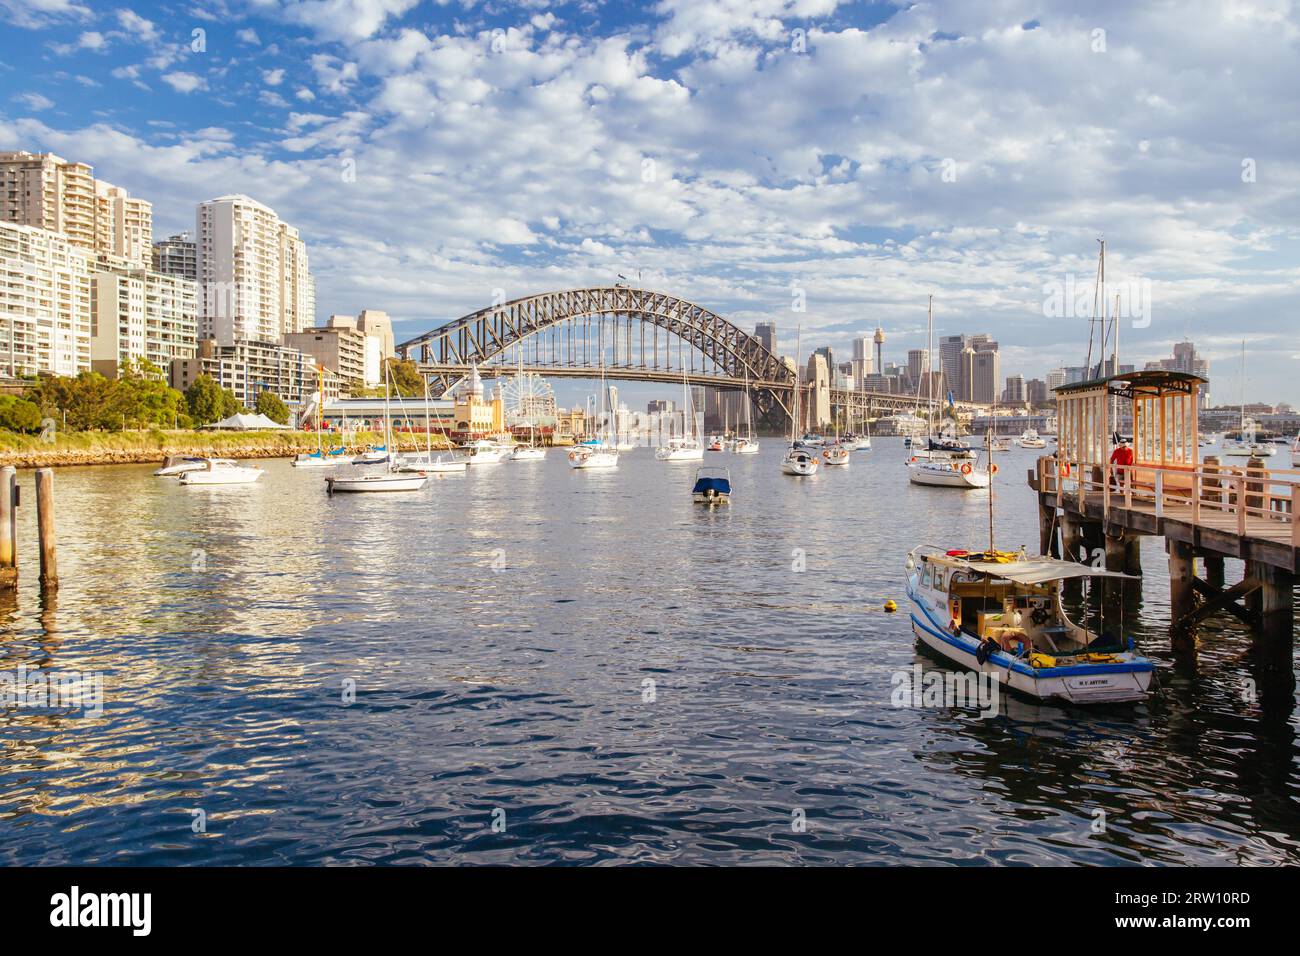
x,y
712,486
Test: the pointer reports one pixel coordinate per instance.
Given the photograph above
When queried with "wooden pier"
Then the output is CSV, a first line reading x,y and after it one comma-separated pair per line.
x,y
1093,509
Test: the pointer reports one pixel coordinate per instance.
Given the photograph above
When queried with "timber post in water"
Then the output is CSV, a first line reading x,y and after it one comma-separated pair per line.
x,y
45,529
8,528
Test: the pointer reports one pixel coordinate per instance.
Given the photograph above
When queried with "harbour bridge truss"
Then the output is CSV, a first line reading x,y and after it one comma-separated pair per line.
x,y
633,334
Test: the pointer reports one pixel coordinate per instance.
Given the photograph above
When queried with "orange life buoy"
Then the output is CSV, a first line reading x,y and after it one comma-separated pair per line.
x,y
993,469
965,469
573,455
826,455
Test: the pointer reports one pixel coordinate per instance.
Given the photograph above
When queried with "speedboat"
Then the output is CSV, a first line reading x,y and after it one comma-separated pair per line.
x,y
176,465
221,471
1030,438
800,460
592,456
745,446
948,473
1000,613
712,486
527,453
375,481
834,453
680,449
483,452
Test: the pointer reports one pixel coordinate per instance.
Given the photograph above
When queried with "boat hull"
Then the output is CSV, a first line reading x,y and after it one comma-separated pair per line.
x,y
938,475
588,460
680,454
222,476
1074,683
376,483
528,454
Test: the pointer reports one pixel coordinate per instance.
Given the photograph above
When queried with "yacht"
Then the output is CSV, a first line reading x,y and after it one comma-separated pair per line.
x,y
800,460
482,452
176,465
688,447
221,471
1030,438
600,452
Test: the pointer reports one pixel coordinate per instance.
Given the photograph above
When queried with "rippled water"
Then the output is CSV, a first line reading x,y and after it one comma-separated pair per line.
x,y
500,628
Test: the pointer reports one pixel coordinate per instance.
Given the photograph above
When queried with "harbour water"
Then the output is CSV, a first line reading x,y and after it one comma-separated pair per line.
x,y
584,667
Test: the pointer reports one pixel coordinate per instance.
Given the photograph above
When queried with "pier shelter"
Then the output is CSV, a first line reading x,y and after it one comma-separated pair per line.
x,y
1099,495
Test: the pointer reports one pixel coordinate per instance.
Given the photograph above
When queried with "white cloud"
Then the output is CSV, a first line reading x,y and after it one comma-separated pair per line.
x,y
132,22
345,19
34,101
335,75
36,14
184,82
273,77
248,35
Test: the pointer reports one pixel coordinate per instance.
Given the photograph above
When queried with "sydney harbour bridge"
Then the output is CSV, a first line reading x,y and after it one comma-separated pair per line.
x,y
634,335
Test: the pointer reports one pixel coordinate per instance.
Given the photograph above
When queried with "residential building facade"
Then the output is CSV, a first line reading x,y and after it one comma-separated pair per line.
x,y
45,302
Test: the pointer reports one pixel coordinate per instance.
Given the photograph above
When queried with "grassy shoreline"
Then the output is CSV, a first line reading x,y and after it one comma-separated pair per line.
x,y
141,447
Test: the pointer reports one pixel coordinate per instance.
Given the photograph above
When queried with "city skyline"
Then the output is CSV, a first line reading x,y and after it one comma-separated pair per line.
x,y
407,205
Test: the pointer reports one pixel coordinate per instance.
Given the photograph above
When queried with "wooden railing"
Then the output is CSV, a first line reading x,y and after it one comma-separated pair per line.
x,y
1241,491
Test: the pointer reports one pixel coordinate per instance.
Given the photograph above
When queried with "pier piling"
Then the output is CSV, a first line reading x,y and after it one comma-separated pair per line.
x,y
1182,591
8,528
45,528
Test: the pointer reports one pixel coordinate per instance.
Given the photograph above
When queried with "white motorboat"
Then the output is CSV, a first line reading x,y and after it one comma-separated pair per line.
x,y
375,481
1000,613
948,473
374,455
593,456
745,446
221,471
177,465
680,449
712,486
527,453
1030,438
483,452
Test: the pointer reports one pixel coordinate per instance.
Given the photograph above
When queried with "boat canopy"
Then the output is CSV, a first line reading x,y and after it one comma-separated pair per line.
x,y
1038,570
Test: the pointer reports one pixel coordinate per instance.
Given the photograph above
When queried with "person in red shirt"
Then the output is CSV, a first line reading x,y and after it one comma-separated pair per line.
x,y
1121,458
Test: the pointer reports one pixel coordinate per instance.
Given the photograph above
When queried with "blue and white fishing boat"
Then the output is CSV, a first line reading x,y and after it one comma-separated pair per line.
x,y
712,486
1001,613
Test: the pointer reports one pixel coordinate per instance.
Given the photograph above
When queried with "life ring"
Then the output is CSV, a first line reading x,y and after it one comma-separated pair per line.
x,y
827,455
993,469
573,456
1065,469
965,469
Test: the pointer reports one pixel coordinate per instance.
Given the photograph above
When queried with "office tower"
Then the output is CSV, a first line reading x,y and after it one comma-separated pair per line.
x,y
1014,393
1055,379
765,332
45,307
879,339
48,192
1037,392
254,281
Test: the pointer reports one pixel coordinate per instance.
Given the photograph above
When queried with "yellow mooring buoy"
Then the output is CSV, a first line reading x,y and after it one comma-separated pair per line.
x,y
890,606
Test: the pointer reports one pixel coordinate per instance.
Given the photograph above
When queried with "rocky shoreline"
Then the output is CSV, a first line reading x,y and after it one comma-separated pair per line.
x,y
140,452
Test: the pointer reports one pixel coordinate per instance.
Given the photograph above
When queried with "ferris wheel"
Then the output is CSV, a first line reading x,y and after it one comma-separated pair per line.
x,y
526,397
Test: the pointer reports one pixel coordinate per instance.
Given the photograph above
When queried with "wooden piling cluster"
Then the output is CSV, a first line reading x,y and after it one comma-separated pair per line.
x,y
1208,512
9,503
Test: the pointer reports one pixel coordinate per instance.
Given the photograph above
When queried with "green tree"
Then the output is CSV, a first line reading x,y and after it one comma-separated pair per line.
x,y
272,406
19,415
208,402
141,398
405,376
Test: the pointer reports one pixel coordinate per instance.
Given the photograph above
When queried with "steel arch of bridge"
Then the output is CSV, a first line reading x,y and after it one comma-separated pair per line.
x,y
445,353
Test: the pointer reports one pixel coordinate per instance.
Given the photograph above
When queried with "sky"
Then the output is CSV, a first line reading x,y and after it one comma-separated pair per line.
x,y
743,155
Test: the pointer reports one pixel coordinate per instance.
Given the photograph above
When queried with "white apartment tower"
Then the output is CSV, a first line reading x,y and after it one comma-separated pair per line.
x,y
45,306
48,192
254,282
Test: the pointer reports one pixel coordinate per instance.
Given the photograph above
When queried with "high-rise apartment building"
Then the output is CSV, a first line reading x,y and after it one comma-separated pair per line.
x,y
177,256
141,314
45,302
1037,392
1014,393
254,281
48,192
338,346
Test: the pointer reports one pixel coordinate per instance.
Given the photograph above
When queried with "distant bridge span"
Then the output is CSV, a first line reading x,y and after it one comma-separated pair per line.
x,y
633,334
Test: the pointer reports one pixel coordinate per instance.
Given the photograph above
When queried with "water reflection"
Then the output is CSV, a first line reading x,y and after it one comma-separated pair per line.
x,y
626,675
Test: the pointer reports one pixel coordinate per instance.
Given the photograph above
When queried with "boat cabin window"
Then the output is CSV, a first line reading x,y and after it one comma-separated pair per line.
x,y
927,575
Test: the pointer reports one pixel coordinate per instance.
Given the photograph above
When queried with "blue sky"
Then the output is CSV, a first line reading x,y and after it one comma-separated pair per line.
x,y
868,154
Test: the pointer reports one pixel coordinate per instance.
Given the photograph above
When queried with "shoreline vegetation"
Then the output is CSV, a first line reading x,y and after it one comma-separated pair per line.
x,y
154,445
